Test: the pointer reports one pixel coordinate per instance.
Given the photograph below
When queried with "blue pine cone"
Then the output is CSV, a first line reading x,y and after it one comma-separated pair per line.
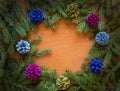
x,y
23,47
102,38
96,65
36,16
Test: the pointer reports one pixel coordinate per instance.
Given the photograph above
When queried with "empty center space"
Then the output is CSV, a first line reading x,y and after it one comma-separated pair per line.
x,y
68,48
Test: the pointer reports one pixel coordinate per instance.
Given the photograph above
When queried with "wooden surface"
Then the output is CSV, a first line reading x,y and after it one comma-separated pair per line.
x,y
68,47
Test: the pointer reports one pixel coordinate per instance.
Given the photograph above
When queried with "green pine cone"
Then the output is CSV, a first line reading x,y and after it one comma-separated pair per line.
x,y
62,83
73,10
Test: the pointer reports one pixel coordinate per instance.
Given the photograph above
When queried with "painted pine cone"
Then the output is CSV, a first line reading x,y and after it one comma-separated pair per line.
x,y
102,38
36,16
92,20
62,83
73,10
96,65
33,71
23,46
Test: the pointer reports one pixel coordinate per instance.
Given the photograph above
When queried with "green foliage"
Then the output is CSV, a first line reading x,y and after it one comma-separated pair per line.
x,y
73,77
15,25
12,87
74,88
107,58
35,40
51,21
2,60
44,52
20,30
115,49
97,51
81,27
101,26
47,81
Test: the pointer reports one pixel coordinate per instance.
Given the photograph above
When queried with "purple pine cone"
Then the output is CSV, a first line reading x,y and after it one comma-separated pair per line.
x,y
93,20
33,71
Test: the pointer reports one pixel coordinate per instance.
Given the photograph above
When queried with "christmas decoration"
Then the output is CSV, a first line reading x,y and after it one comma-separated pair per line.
x,y
62,83
14,21
73,10
102,38
36,16
96,65
93,20
33,71
23,47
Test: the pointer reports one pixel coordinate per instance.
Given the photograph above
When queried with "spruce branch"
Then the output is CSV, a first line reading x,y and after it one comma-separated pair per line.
x,y
36,39
44,52
115,9
72,76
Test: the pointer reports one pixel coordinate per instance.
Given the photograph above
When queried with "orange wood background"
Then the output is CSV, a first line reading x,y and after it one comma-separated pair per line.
x,y
68,47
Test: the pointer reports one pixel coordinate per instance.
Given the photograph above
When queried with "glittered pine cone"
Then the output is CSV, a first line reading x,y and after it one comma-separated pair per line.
x,y
23,47
92,20
36,16
96,65
102,38
62,83
73,10
33,71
